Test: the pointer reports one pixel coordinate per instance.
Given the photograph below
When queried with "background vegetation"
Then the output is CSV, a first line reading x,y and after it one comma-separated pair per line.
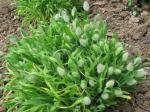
x,y
34,11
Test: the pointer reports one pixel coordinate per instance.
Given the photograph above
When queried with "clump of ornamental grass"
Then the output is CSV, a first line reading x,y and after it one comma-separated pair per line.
x,y
70,66
35,11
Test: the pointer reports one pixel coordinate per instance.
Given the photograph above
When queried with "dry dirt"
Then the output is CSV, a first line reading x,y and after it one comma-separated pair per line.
x,y
135,32
8,26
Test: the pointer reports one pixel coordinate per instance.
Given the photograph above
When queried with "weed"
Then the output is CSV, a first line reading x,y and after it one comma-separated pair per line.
x,y
70,66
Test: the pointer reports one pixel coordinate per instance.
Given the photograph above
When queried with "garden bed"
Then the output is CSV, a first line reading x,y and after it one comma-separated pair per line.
x,y
134,31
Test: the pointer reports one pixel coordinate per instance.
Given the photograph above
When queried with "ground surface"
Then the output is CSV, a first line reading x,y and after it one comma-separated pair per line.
x,y
134,31
8,25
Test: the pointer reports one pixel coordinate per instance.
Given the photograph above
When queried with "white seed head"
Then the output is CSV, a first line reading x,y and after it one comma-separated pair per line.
x,y
118,92
60,71
92,83
137,60
130,66
83,84
110,70
118,50
140,73
57,17
110,84
65,16
86,101
105,96
78,31
83,42
73,12
86,6
100,68
81,63
125,56
95,37
117,71
132,82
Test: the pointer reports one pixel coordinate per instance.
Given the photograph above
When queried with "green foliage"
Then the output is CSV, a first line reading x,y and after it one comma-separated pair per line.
x,y
35,11
70,67
130,3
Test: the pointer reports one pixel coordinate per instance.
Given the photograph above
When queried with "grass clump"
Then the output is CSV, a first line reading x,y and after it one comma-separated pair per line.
x,y
35,11
70,66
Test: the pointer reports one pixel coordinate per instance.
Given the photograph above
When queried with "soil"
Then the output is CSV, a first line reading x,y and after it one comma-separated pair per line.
x,y
8,26
133,31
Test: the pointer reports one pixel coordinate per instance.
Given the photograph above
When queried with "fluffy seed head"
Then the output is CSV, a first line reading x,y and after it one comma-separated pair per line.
x,y
138,60
100,68
74,10
83,84
118,92
86,6
117,71
95,37
65,16
83,42
110,83
86,101
91,83
57,17
105,96
78,31
60,71
81,63
125,56
131,82
118,50
140,73
130,66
